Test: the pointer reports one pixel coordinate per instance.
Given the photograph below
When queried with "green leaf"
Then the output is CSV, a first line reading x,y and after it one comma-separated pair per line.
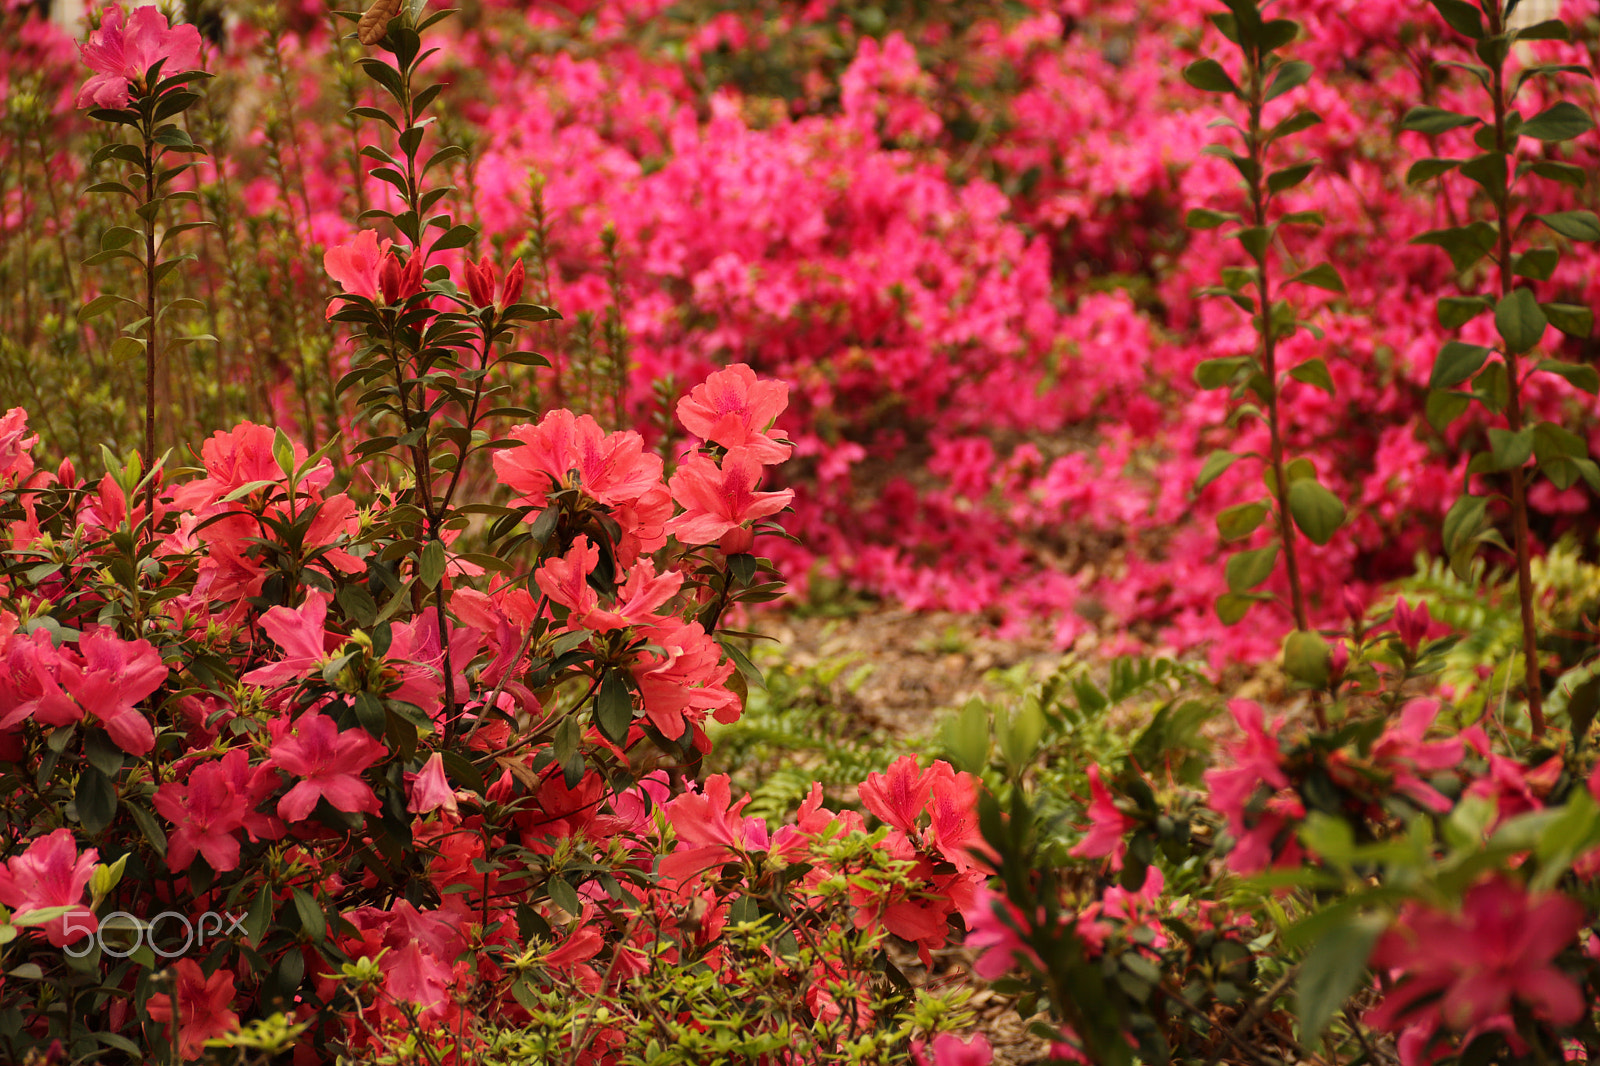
x,y
1573,225
1314,372
1218,373
1461,17
1290,75
1465,244
1572,319
1579,375
1248,569
1216,464
1456,363
1558,122
1444,407
1426,169
1519,320
1488,170
430,567
455,237
1300,120
312,921
1207,75
1510,450
1565,173
1548,30
1535,265
1456,311
613,706
1233,606
1317,512
99,306
1241,521
96,800
1433,120
1201,218
1323,276
1305,658
1333,970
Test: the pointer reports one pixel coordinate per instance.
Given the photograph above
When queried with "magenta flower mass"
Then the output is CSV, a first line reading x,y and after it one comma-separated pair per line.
x,y
800,534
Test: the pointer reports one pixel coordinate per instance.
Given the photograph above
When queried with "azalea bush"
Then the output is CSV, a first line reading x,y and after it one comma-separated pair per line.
x,y
316,758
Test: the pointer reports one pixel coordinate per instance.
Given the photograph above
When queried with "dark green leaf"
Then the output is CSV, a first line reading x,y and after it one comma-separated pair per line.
x,y
1559,122
1317,512
1432,120
1323,276
1461,17
1290,75
613,706
1207,75
1426,169
1456,363
1581,376
1572,319
1573,225
1519,320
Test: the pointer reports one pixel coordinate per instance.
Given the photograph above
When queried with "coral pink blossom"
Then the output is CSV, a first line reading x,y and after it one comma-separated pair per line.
x,y
51,873
203,1007
357,264
1464,970
211,806
327,763
122,53
718,499
734,409
116,674
572,450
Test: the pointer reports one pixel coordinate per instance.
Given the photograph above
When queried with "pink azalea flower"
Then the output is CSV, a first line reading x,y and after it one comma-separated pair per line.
x,y
1107,825
51,873
30,685
735,410
641,594
122,53
299,632
327,763
719,499
115,675
951,1050
1499,949
210,808
203,1007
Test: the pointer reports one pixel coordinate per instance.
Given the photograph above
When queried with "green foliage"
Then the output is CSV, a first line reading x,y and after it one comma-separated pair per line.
x,y
804,726
1483,607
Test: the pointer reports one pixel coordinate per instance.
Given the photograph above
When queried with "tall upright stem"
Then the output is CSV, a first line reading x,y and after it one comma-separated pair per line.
x,y
1269,340
150,321
1519,493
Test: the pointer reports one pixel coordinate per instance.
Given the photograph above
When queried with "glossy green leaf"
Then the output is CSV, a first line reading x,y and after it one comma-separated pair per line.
x,y
1457,362
1519,320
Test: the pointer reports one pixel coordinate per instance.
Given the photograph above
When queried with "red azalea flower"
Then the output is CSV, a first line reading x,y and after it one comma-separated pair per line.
x,y
203,1004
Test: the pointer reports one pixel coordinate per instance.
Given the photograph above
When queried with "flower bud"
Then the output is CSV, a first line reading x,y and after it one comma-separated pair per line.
x,y
736,541
66,473
398,281
1338,661
1355,608
481,282
1411,625
512,291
